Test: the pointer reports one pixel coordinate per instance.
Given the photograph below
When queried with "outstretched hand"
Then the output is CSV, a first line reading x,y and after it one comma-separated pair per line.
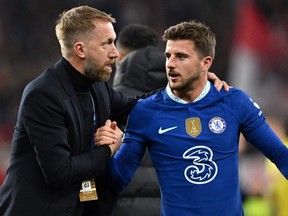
x,y
217,82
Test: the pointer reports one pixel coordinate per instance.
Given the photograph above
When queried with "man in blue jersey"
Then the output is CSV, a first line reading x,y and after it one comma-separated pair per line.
x,y
192,132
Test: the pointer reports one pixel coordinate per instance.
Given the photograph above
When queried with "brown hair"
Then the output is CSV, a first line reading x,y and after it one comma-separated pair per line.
x,y
76,21
196,31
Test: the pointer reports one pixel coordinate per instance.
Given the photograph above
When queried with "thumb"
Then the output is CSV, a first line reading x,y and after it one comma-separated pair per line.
x,y
108,123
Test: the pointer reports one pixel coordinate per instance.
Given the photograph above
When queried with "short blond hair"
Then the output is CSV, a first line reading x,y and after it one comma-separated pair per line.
x,y
76,22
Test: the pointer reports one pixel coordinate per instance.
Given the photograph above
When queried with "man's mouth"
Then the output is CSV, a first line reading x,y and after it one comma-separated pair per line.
x,y
173,76
109,67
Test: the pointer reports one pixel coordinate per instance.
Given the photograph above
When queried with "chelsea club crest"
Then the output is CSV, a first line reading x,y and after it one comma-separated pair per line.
x,y
217,125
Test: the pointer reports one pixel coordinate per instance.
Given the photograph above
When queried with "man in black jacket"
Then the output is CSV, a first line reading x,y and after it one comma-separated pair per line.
x,y
53,152
140,68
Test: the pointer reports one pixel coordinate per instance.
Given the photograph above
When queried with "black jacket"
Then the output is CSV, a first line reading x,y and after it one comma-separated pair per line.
x,y
139,72
48,160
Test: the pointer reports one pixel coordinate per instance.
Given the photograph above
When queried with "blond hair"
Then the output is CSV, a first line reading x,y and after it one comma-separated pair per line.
x,y
77,22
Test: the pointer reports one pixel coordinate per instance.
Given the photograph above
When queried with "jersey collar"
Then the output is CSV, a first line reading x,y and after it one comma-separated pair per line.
x,y
179,100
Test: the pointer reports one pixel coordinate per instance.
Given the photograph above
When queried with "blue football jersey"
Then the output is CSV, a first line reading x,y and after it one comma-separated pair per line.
x,y
194,148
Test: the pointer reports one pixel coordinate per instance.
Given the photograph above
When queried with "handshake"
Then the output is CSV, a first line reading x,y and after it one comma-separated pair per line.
x,y
109,134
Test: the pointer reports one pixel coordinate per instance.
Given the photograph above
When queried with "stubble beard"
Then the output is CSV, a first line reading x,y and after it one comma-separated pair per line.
x,y
186,84
94,72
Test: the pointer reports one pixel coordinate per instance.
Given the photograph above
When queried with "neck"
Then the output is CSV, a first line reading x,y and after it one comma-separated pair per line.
x,y
76,63
191,94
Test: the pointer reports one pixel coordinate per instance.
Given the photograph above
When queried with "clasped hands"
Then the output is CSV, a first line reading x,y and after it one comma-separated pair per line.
x,y
109,134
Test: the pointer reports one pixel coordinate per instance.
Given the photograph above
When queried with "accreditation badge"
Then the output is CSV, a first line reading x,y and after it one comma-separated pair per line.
x,y
88,191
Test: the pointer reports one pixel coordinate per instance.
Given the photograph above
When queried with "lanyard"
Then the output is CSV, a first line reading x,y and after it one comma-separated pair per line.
x,y
94,124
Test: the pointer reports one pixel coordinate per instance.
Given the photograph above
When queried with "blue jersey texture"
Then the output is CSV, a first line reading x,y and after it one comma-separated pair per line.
x,y
194,148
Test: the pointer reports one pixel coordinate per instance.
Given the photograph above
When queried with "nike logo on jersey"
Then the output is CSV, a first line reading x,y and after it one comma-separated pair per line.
x,y
162,131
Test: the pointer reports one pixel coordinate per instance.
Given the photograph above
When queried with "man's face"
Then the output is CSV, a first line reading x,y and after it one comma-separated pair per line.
x,y
101,52
183,65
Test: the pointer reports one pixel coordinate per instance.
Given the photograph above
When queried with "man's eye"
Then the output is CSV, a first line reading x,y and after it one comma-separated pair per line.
x,y
107,45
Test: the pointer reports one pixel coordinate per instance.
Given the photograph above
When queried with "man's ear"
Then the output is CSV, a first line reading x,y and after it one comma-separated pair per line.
x,y
207,62
79,49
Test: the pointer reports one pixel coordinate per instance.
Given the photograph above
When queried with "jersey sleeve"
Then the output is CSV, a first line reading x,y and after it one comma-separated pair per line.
x,y
272,147
125,162
248,113
256,131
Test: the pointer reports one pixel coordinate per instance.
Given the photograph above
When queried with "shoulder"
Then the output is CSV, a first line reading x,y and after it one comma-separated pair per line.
x,y
233,92
235,95
48,78
46,84
234,101
241,104
41,83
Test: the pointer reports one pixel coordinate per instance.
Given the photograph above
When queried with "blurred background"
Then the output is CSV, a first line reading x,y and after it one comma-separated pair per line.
x,y
251,54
